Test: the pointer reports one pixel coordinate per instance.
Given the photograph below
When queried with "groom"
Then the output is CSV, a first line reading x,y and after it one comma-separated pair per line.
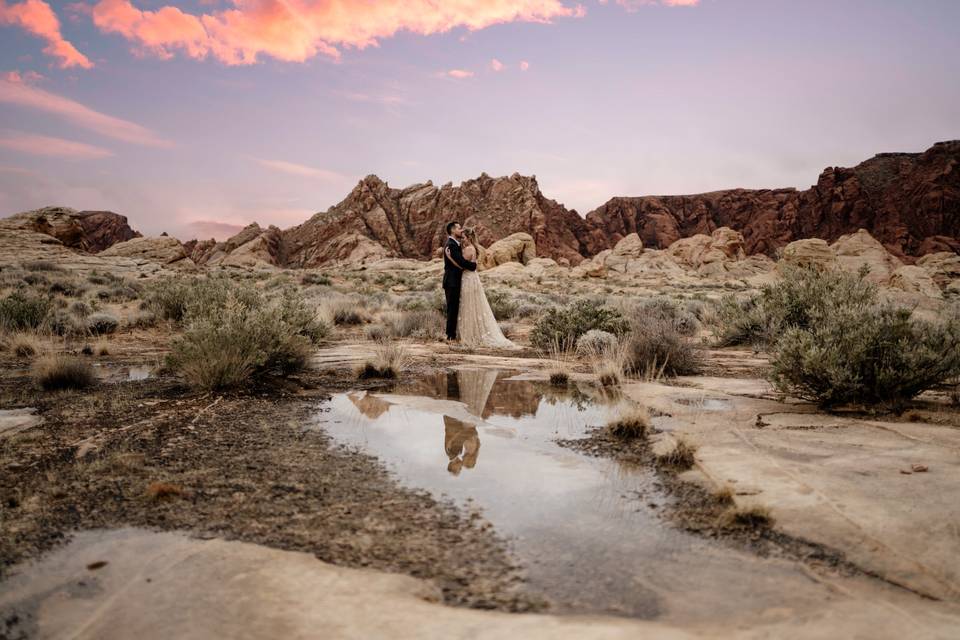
x,y
454,265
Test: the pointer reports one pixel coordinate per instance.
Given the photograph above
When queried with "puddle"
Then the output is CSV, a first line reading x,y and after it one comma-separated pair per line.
x,y
124,373
585,529
13,421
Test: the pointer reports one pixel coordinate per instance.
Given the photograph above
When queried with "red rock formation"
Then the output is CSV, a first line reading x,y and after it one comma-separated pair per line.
x,y
908,201
91,231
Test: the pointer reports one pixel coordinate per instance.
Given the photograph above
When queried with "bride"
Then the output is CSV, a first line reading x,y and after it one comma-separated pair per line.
x,y
477,326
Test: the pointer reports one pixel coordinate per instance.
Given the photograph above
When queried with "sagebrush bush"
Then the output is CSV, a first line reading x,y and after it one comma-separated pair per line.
x,y
854,353
502,304
67,288
595,342
63,372
655,346
668,310
565,325
425,325
20,311
802,293
173,298
234,337
102,323
311,277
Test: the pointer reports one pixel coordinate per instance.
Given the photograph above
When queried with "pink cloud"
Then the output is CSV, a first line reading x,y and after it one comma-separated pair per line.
x,y
30,77
460,74
19,93
216,229
634,5
36,17
295,169
296,30
496,65
524,65
48,146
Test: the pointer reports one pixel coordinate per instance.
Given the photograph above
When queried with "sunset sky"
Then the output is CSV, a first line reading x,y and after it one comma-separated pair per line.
x,y
199,117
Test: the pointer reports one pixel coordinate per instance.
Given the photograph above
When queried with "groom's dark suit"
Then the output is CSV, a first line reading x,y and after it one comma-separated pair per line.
x,y
454,265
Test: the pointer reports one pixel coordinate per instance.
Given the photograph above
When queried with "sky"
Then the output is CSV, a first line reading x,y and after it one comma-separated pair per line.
x,y
199,117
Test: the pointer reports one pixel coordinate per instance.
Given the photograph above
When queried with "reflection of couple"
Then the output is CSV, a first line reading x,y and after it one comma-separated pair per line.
x,y
469,315
460,439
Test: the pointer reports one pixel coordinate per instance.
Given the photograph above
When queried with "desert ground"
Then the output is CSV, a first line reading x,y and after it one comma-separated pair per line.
x,y
242,450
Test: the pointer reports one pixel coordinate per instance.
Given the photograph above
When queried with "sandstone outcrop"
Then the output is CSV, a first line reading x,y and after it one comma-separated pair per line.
x,y
517,247
90,231
162,250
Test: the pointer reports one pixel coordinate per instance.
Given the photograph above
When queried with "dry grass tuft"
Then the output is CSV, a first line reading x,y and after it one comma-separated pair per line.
x,y
753,517
25,344
631,424
63,372
562,356
158,491
724,495
680,458
389,359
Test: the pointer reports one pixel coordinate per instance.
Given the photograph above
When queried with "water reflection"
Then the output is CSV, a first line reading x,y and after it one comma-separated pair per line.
x,y
462,444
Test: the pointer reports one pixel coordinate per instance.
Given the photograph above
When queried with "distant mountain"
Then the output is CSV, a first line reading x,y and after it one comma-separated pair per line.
x,y
910,202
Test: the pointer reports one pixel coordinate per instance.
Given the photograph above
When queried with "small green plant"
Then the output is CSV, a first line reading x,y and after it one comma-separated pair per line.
x,y
20,311
502,304
565,325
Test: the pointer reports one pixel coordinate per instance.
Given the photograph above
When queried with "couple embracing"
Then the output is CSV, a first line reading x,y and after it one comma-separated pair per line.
x,y
469,315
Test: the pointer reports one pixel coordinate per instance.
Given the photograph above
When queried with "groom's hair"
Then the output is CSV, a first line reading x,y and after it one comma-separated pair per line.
x,y
451,225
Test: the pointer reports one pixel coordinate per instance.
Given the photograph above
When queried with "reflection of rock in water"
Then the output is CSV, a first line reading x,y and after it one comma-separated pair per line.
x,y
369,405
462,444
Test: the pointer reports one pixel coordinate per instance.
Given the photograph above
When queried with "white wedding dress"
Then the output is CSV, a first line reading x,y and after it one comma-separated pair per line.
x,y
476,324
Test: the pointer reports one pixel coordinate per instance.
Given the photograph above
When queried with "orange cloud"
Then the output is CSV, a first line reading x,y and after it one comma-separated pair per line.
x,y
496,65
460,74
36,17
296,30
19,93
48,146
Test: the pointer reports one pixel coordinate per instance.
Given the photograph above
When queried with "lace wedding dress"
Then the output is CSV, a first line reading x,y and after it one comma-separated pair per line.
x,y
476,325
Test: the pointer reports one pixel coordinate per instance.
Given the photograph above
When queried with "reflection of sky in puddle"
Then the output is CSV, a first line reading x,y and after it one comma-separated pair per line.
x,y
575,522
124,373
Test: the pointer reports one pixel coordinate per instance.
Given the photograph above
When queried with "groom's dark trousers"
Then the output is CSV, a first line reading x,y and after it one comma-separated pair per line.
x,y
454,265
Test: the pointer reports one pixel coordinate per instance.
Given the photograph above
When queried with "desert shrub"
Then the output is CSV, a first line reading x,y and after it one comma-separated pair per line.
x,y
655,347
102,323
667,310
63,323
36,279
243,334
41,265
80,308
802,293
740,321
173,298
142,320
19,311
502,304
752,517
68,288
565,325
595,342
63,372
377,332
415,324
311,277
119,293
852,353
